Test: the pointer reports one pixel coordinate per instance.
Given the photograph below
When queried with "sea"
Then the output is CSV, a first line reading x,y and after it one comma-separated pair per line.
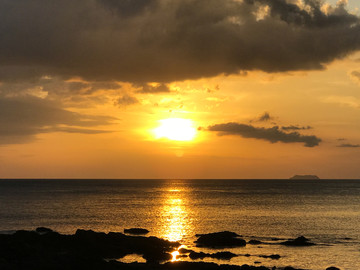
x,y
325,211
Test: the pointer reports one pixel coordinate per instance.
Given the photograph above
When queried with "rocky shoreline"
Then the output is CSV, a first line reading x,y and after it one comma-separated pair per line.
x,y
86,249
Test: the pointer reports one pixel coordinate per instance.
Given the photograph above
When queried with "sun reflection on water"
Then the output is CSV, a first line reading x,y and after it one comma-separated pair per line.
x,y
176,222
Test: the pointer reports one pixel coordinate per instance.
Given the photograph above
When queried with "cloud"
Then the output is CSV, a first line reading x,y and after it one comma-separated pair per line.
x,y
22,118
292,127
128,7
265,117
153,89
55,87
164,41
355,75
348,145
348,101
273,134
126,100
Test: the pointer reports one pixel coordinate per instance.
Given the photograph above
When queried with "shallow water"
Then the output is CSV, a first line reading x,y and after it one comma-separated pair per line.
x,y
326,211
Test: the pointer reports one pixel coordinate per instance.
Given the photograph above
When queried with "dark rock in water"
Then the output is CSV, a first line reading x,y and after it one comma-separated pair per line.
x,y
43,230
156,256
300,241
184,250
255,242
91,250
273,256
85,249
276,239
182,266
198,255
138,231
219,255
223,233
332,268
220,240
207,266
248,267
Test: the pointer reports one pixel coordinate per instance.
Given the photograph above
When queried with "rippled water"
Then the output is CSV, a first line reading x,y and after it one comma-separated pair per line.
x,y
326,211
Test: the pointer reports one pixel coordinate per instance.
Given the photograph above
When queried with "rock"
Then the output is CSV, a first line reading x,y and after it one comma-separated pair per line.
x,y
220,240
43,230
156,256
198,255
300,241
222,234
273,256
255,242
248,267
332,268
276,239
184,250
87,249
138,231
219,255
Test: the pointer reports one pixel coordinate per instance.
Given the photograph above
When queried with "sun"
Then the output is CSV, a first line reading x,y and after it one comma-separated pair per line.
x,y
176,129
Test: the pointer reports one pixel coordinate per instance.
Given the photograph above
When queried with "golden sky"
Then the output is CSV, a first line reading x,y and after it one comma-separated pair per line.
x,y
179,89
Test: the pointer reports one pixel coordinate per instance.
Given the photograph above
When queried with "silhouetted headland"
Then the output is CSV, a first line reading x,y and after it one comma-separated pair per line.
x,y
86,249
304,177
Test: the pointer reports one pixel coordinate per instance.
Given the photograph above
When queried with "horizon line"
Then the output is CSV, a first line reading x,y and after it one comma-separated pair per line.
x,y
174,178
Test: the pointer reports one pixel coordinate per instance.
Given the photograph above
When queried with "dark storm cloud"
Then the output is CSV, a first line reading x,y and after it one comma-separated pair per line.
x,y
273,134
21,119
128,7
167,40
312,17
349,145
292,127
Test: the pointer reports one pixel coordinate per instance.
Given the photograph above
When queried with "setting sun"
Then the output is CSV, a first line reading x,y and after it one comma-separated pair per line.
x,y
176,129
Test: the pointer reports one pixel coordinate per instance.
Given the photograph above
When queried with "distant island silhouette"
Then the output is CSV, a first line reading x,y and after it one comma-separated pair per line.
x,y
304,176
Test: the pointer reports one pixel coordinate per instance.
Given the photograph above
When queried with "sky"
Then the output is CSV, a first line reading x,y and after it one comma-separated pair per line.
x,y
179,88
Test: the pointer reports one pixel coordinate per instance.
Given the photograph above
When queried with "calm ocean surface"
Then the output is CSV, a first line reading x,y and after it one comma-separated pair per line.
x,y
326,211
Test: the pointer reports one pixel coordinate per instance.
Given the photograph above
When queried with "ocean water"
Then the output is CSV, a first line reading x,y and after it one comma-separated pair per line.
x,y
326,211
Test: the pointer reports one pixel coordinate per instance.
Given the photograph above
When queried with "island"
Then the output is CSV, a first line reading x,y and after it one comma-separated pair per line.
x,y
304,176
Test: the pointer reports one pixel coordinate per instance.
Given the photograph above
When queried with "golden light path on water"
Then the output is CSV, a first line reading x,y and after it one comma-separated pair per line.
x,y
175,218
